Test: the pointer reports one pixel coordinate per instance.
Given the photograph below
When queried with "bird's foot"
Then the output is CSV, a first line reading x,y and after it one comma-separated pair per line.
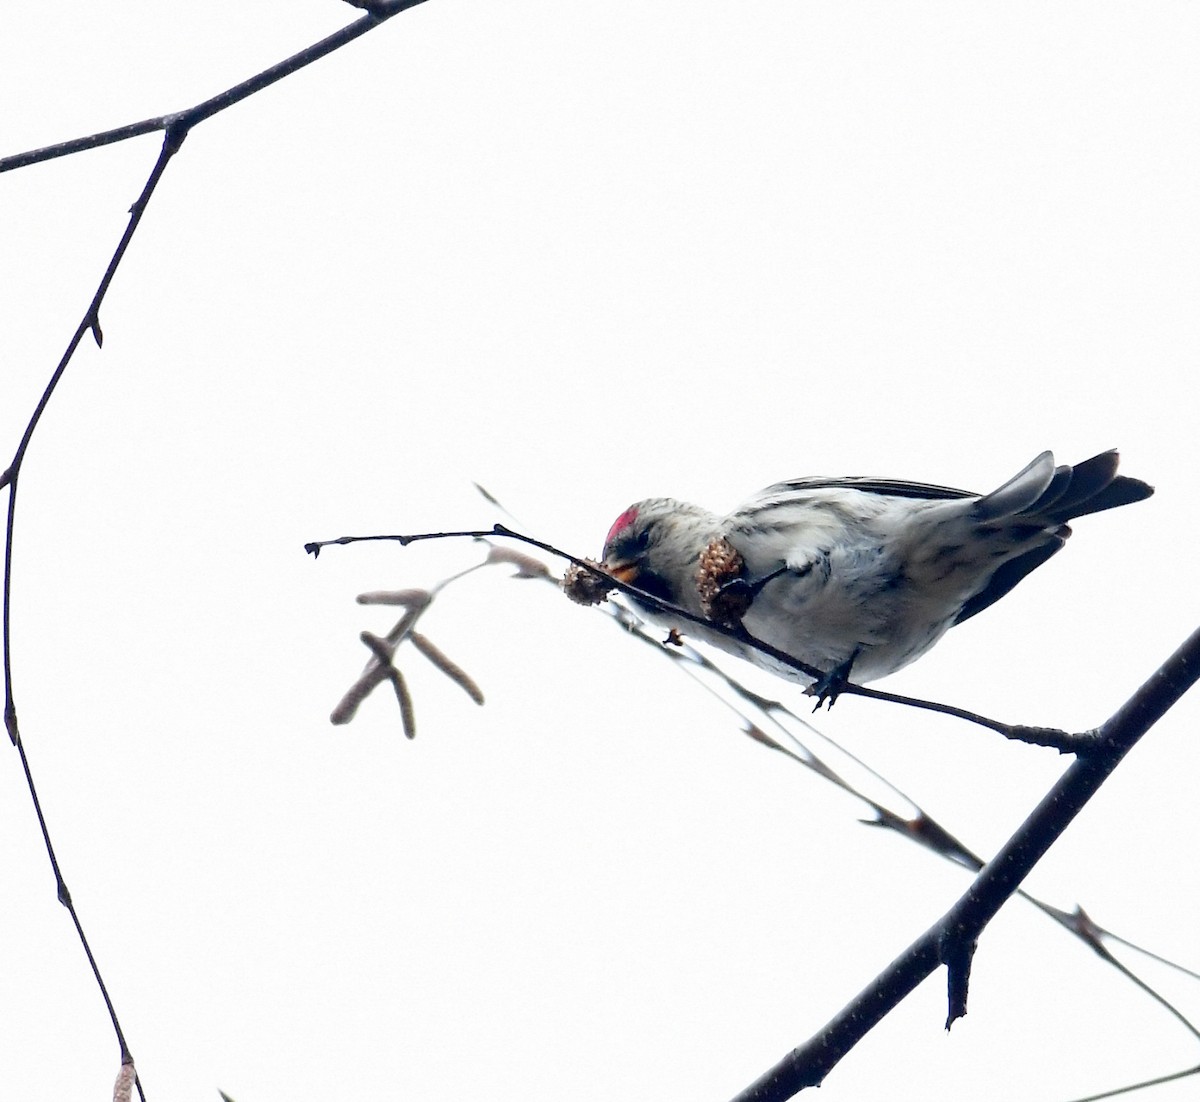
x,y
730,602
726,594
829,686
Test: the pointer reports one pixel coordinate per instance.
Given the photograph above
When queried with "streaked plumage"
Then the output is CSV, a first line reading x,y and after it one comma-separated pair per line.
x,y
861,574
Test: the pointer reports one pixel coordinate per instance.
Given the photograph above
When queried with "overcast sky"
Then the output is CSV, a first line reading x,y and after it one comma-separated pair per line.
x,y
580,254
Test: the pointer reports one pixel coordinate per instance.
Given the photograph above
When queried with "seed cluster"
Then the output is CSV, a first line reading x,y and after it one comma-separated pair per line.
x,y
724,595
585,587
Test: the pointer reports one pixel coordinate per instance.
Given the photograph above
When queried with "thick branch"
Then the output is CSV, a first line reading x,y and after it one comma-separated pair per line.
x,y
951,940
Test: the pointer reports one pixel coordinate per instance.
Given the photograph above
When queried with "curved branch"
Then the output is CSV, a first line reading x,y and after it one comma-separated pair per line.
x,y
176,128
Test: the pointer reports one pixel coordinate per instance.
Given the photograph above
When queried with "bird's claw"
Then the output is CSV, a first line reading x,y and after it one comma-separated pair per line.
x,y
730,602
828,687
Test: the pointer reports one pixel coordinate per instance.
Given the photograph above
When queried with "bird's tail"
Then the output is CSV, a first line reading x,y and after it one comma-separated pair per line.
x,y
1056,495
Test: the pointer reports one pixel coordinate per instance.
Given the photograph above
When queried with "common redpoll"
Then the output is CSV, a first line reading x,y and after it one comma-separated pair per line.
x,y
856,577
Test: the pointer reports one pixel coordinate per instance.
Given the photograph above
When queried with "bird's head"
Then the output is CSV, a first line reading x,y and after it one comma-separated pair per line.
x,y
655,545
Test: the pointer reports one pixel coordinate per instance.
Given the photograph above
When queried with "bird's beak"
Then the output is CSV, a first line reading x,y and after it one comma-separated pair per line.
x,y
626,572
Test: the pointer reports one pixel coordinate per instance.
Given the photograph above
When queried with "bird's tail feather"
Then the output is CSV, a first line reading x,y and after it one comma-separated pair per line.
x,y
1056,495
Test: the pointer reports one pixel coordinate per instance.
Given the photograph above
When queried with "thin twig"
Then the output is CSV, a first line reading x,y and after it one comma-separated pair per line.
x,y
176,128
89,323
1143,1085
1063,741
377,12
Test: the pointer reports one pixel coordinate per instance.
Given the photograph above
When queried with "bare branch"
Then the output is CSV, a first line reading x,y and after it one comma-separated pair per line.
x,y
951,940
175,129
182,121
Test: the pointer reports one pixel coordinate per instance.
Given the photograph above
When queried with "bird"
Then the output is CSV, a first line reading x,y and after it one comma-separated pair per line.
x,y
848,579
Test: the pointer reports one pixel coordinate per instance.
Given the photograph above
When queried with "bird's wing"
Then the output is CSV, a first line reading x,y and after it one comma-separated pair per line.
x,y
770,508
784,492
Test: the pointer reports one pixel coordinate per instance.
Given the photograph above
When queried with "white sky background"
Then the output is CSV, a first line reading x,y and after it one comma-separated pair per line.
x,y
581,254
